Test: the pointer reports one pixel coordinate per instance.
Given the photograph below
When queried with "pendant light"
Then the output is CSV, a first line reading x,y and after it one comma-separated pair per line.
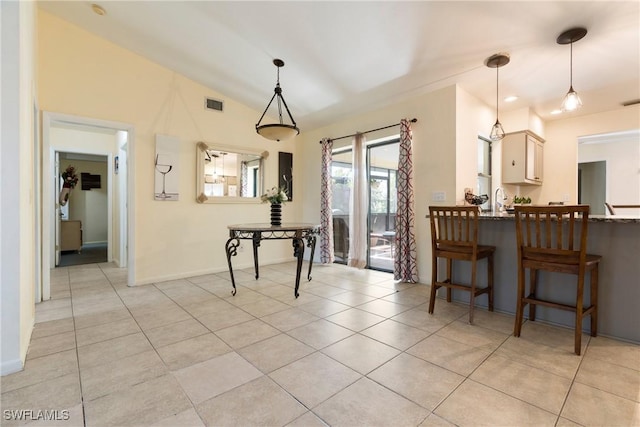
x,y
571,101
496,61
278,131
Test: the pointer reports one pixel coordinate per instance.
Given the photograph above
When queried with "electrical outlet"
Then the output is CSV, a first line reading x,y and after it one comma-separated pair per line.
x,y
565,197
438,196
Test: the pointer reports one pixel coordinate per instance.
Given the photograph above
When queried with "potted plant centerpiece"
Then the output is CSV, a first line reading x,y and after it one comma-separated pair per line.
x,y
276,196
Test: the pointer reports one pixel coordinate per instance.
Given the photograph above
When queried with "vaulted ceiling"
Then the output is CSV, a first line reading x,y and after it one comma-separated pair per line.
x,y
344,58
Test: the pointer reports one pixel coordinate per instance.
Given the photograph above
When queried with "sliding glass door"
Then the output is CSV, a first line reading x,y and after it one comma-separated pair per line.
x,y
382,164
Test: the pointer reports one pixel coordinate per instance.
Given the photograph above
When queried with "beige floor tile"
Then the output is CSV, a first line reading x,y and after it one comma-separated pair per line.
x,y
367,403
175,332
100,317
265,307
42,369
188,418
351,298
53,314
215,376
244,296
395,334
491,320
453,355
615,379
106,331
224,319
448,312
616,352
260,402
308,419
53,327
323,307
408,299
355,319
552,336
112,350
314,378
191,351
323,290
551,359
360,353
275,352
563,422
247,333
532,385
320,333
475,404
60,393
419,318
289,319
592,407
52,344
419,381
210,304
161,318
435,421
113,377
473,335
141,404
376,291
383,308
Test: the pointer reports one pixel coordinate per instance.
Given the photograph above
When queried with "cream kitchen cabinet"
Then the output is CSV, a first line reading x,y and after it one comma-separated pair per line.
x,y
522,158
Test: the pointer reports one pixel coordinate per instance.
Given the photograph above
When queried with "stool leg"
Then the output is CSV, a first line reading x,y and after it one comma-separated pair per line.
x,y
519,304
579,308
449,278
472,296
594,301
533,284
434,280
490,280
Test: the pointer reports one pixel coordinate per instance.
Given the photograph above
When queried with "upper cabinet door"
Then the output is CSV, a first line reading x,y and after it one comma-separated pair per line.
x,y
522,157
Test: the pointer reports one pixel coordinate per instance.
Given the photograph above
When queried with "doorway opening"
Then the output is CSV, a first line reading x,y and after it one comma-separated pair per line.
x,y
99,212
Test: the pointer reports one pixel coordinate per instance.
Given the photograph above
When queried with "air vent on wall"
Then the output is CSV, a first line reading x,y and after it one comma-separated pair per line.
x,y
213,104
632,102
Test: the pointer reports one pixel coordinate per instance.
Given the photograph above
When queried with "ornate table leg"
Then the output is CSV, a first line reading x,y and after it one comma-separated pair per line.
x,y
231,248
311,242
298,252
256,244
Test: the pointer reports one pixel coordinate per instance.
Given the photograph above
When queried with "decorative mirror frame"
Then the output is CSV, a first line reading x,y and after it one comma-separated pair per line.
x,y
201,148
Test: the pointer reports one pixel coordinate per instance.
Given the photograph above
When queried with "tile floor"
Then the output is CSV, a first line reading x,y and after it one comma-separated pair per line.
x,y
354,350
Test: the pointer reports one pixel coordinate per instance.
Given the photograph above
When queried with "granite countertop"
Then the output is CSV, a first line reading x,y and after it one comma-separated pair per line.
x,y
592,218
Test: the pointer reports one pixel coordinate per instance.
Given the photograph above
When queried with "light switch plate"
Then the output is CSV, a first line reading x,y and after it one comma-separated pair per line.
x,y
438,196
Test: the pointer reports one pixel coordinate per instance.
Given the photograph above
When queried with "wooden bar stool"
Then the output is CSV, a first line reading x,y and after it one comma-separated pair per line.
x,y
554,239
454,236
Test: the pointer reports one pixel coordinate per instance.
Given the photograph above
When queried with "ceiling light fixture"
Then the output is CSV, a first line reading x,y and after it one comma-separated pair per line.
x,y
571,101
510,98
99,10
496,61
278,131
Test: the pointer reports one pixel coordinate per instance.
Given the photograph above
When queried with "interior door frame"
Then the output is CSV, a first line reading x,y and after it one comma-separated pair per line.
x,y
50,119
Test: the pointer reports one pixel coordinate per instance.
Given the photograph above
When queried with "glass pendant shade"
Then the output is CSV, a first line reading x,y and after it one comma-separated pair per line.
x,y
497,132
496,61
571,101
278,131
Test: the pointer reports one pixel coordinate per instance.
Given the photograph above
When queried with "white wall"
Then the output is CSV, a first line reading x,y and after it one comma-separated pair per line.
x,y
172,239
17,190
90,206
623,170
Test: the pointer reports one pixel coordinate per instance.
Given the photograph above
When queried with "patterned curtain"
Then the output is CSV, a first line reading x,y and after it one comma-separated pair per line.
x,y
244,176
358,206
326,215
405,266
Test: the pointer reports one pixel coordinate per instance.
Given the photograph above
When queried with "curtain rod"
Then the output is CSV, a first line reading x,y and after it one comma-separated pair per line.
x,y
414,120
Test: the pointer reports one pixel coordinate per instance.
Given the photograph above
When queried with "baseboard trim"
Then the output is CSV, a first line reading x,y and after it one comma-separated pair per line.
x,y
10,367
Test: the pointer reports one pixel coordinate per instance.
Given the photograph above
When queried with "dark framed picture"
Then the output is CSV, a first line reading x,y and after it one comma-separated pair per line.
x,y
285,172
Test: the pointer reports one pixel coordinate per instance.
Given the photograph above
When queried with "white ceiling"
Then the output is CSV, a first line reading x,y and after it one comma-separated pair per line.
x,y
344,58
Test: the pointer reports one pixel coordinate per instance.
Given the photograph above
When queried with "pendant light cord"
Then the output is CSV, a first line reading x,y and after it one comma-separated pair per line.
x,y
571,66
497,88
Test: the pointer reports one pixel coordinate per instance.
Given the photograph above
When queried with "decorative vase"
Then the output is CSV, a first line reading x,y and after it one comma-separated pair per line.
x,y
276,214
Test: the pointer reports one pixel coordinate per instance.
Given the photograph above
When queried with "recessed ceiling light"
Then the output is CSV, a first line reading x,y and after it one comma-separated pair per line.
x,y
554,112
510,98
99,10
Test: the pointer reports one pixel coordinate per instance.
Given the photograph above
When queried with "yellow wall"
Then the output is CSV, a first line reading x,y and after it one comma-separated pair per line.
x,y
81,74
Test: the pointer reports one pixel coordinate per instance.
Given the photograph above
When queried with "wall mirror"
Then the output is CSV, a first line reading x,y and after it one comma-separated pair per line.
x,y
229,174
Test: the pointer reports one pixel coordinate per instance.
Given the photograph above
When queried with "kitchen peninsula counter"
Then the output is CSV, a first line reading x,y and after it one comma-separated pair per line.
x,y
615,238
